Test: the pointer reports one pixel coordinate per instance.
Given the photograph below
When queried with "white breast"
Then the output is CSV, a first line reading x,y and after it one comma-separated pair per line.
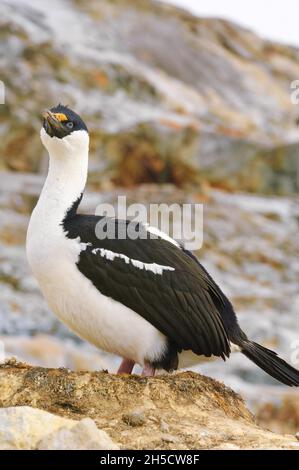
x,y
96,318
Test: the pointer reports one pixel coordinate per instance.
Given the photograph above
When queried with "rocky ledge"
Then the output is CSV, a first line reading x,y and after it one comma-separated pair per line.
x,y
60,409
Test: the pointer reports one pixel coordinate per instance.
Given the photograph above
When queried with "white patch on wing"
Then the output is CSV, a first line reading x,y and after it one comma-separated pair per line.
x,y
153,267
83,245
155,231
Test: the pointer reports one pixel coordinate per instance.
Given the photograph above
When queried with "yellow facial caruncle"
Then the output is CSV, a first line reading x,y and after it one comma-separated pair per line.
x,y
60,116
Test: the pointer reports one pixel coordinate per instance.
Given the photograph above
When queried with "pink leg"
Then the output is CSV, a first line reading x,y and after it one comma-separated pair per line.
x,y
148,370
126,366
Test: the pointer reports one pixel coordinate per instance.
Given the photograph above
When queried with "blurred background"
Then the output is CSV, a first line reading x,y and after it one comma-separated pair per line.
x,y
183,105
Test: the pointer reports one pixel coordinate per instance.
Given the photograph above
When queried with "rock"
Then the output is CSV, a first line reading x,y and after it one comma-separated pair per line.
x,y
282,417
134,418
169,438
201,413
227,446
23,427
164,427
82,436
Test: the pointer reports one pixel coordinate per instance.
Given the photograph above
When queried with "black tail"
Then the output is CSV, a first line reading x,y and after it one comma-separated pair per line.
x,y
270,363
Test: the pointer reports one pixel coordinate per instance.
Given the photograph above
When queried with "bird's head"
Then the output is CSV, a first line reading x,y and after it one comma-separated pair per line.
x,y
63,131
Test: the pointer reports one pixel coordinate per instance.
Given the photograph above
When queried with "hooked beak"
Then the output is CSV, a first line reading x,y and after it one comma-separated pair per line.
x,y
53,126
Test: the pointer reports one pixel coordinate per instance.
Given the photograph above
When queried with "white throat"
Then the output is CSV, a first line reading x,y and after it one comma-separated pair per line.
x,y
64,185
67,175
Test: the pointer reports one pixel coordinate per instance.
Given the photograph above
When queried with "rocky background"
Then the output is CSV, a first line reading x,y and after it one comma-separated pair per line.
x,y
180,109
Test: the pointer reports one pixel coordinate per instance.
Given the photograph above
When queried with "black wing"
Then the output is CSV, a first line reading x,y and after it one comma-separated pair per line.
x,y
181,303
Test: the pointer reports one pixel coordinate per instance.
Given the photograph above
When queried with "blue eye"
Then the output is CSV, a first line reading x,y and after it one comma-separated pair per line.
x,y
70,125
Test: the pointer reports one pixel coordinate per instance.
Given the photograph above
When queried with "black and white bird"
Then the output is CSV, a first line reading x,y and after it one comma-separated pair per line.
x,y
145,299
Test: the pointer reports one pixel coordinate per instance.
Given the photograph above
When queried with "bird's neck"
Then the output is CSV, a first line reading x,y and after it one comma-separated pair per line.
x,y
64,185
